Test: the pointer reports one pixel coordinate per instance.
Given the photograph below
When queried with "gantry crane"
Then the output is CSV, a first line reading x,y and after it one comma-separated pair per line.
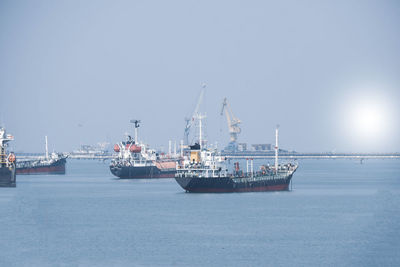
x,y
190,121
233,124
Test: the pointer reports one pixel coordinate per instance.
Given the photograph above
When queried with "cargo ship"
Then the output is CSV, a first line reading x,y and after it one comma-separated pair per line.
x,y
134,160
50,164
205,171
7,162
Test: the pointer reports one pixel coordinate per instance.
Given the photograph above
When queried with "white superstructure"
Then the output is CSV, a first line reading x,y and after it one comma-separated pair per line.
x,y
5,161
202,163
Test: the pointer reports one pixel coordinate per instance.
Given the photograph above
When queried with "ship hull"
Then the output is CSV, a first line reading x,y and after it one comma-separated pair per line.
x,y
230,185
7,177
145,172
57,167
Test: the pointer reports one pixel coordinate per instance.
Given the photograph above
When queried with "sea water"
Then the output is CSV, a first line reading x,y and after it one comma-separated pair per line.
x,y
338,213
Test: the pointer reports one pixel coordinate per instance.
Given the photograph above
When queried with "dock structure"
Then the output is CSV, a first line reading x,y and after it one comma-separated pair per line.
x,y
295,155
266,155
91,156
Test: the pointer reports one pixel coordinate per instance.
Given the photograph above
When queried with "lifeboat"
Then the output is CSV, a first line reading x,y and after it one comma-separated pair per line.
x,y
116,148
135,149
11,158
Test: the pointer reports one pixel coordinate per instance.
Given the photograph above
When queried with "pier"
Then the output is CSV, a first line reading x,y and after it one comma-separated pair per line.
x,y
246,155
295,155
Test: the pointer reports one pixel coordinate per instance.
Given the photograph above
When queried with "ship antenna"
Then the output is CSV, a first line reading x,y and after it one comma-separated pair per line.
x,y
47,148
136,122
276,148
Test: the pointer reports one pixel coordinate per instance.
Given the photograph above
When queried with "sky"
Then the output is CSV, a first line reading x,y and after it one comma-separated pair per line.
x,y
78,71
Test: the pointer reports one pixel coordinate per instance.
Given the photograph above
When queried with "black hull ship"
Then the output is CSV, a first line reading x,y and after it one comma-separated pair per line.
x,y
254,182
7,177
134,160
155,169
45,166
204,171
50,164
7,162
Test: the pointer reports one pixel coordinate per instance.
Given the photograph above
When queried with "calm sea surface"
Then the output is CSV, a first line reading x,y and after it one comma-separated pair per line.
x,y
339,212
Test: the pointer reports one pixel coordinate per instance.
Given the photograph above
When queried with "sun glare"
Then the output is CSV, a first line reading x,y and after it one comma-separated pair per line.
x,y
368,118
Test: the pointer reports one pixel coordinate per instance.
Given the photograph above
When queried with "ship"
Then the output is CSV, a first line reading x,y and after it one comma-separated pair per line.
x,y
7,162
53,163
205,171
134,160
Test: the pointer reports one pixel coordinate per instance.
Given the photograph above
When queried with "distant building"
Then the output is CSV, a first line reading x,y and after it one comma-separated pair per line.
x,y
242,146
261,147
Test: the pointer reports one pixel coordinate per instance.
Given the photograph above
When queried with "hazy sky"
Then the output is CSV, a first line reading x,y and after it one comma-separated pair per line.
x,y
327,71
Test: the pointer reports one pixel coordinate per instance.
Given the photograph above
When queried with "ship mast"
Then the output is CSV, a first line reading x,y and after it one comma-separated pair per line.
x,y
200,117
47,148
276,147
136,122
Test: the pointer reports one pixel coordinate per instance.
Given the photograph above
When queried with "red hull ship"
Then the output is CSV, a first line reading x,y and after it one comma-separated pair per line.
x,y
205,171
51,164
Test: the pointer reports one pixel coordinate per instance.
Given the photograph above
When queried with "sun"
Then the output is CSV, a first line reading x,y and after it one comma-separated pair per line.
x,y
368,119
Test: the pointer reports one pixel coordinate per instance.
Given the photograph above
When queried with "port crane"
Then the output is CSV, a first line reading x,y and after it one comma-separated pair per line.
x,y
190,121
233,124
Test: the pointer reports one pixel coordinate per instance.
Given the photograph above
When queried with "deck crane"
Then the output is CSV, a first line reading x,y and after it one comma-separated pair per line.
x,y
190,121
233,124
